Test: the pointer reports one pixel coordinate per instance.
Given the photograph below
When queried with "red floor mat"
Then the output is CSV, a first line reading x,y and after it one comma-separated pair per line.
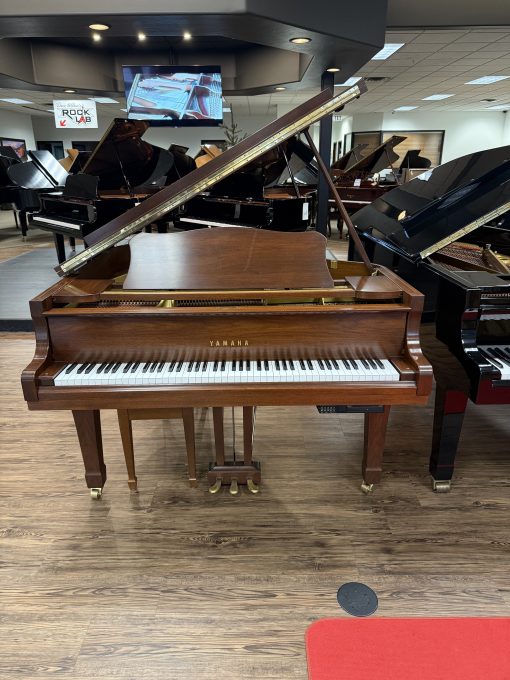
x,y
409,649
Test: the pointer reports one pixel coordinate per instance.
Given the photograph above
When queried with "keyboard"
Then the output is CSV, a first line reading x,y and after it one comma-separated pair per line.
x,y
37,219
227,372
499,356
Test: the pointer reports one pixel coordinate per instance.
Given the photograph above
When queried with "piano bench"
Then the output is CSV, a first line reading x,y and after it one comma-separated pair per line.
x,y
126,416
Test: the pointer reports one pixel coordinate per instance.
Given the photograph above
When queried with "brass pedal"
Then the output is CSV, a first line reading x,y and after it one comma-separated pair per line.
x,y
234,487
252,487
216,486
366,488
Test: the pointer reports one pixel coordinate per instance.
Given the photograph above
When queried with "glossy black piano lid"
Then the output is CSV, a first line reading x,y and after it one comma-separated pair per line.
x,y
415,217
122,155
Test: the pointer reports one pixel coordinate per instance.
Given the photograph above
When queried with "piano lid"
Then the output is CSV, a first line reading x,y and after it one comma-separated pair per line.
x,y
201,179
43,171
379,159
413,160
440,205
121,157
345,162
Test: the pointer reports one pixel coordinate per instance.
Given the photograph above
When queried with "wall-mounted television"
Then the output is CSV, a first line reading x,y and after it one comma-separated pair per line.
x,y
174,95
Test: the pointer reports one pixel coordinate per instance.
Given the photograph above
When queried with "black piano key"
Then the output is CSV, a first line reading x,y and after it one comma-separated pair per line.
x,y
204,366
248,365
135,366
127,367
116,367
379,363
100,368
173,364
302,364
291,364
179,367
277,365
354,364
284,364
259,365
109,367
215,367
234,367
309,364
197,366
487,355
499,353
335,363
70,368
152,367
82,368
506,353
190,367
266,365
321,364
89,368
346,364
364,363
223,365
371,363
160,366
241,365
328,363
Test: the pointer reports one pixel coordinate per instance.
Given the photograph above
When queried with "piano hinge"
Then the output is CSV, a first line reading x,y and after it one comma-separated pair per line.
x,y
166,303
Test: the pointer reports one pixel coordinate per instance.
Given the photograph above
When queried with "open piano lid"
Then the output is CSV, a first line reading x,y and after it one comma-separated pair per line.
x,y
441,205
379,159
201,179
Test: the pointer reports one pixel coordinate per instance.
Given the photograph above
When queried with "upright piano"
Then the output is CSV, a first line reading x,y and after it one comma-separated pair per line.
x,y
122,171
444,232
224,317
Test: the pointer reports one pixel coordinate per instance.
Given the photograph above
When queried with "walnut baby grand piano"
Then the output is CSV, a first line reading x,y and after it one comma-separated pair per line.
x,y
224,317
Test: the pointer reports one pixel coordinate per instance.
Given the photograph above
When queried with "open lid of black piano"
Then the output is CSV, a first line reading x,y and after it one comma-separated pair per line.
x,y
378,159
201,179
440,205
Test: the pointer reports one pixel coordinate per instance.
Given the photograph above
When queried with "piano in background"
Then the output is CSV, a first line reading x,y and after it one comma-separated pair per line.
x,y
122,171
444,232
413,165
253,196
224,317
22,182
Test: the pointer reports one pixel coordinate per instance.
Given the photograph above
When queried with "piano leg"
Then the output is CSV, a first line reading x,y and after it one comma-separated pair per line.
x,y
233,472
449,410
126,434
60,247
88,428
375,434
23,221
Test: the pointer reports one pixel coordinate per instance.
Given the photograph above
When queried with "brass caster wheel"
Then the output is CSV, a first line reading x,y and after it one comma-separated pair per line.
x,y
441,485
252,487
96,493
215,487
366,488
234,487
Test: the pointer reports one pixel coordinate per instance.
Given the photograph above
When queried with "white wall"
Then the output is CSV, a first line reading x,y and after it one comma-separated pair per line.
x,y
506,128
44,130
18,126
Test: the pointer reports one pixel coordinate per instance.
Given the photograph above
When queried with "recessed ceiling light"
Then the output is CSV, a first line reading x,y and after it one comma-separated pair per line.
x,y
280,88
141,36
405,108
488,101
349,82
226,109
436,97
104,100
333,69
300,41
499,107
70,91
96,37
186,35
99,27
388,50
14,100
124,110
486,80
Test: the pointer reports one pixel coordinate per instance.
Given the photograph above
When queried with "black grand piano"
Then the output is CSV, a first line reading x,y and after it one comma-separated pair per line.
x,y
445,233
121,172
256,196
22,181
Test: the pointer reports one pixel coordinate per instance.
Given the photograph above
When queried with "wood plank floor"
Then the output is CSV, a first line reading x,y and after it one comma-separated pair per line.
x,y
174,583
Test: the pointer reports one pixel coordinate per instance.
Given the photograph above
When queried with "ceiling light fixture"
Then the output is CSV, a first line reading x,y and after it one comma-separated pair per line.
x,y
436,97
70,91
99,27
405,108
186,35
349,82
280,88
96,37
142,36
486,80
226,109
14,100
300,40
388,50
487,101
499,107
333,69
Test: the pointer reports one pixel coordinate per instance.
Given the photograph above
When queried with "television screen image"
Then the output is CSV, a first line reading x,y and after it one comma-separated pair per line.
x,y
174,95
18,145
